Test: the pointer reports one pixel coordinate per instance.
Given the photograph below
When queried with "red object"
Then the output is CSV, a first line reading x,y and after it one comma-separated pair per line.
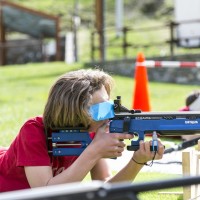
x,y
171,64
141,99
186,108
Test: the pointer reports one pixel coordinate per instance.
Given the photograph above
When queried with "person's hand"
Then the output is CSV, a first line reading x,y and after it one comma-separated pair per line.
x,y
109,145
143,154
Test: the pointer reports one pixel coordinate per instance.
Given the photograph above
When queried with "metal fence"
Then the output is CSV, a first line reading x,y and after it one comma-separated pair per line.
x,y
161,40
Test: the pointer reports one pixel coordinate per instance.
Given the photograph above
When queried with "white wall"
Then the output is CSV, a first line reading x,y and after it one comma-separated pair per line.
x,y
188,10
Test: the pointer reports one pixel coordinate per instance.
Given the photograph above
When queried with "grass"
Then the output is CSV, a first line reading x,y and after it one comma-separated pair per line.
x,y
24,90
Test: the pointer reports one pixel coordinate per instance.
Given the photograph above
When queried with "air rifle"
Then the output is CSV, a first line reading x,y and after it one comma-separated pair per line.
x,y
163,123
73,141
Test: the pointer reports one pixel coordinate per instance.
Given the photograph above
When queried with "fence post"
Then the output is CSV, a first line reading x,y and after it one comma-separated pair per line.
x,y
2,38
172,24
92,45
124,46
100,26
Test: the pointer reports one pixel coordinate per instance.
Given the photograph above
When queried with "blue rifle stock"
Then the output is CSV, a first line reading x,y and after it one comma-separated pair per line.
x,y
69,141
163,123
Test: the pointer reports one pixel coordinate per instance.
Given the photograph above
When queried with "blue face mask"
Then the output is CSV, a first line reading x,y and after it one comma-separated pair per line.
x,y
102,111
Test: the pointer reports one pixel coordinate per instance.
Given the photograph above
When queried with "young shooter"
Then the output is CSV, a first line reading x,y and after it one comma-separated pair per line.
x,y
27,163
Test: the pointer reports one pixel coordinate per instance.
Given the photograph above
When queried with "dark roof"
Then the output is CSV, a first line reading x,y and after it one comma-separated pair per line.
x,y
27,21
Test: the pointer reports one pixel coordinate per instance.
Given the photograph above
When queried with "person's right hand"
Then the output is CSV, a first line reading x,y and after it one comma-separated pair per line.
x,y
109,145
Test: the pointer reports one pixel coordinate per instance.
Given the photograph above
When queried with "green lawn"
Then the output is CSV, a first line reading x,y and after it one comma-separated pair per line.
x,y
24,90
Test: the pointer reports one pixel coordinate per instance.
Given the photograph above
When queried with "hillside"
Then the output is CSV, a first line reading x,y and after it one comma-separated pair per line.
x,y
135,12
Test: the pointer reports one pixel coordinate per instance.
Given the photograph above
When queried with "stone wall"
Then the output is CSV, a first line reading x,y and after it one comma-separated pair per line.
x,y
170,75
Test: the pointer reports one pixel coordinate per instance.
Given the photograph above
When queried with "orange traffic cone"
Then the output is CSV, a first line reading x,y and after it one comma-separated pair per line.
x,y
141,98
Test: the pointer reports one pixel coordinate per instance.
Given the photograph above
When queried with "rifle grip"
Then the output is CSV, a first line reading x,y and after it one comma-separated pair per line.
x,y
133,148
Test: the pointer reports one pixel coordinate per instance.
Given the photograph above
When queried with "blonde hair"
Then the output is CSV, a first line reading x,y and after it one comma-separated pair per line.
x,y
70,97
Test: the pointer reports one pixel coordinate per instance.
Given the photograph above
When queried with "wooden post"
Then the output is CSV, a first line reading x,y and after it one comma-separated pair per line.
x,y
172,39
197,187
125,45
2,38
100,27
191,167
92,45
58,46
186,171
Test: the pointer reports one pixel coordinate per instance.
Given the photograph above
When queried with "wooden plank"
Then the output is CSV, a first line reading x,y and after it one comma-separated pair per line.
x,y
186,171
2,39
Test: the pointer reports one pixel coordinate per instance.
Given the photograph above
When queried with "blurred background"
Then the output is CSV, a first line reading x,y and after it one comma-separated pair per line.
x,y
98,30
